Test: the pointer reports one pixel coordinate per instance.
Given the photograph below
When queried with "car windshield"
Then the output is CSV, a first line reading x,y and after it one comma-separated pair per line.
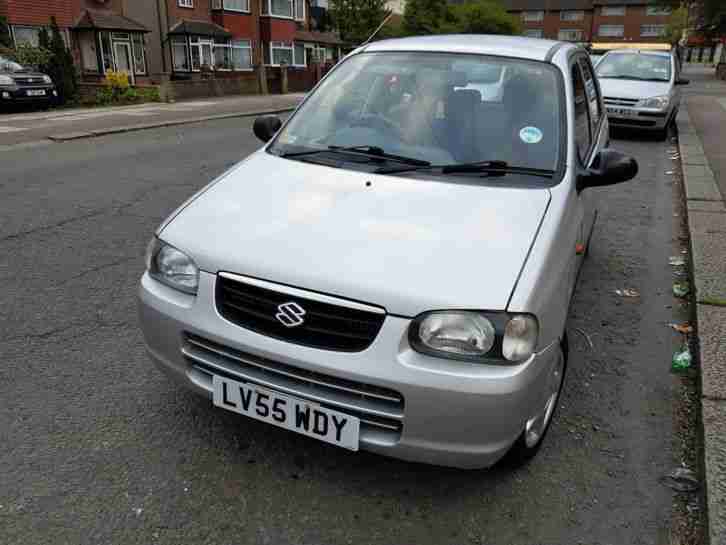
x,y
438,108
6,65
635,66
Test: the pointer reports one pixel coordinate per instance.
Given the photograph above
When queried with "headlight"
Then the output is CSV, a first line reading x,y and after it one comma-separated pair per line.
x,y
6,80
46,79
492,338
660,103
172,267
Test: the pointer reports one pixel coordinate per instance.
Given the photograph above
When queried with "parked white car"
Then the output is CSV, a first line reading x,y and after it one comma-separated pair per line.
x,y
392,271
641,89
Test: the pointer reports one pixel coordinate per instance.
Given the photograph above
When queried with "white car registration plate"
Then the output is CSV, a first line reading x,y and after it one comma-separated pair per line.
x,y
622,112
287,412
36,92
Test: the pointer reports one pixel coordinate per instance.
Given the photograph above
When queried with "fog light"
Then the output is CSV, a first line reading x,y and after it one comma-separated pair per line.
x,y
6,94
55,93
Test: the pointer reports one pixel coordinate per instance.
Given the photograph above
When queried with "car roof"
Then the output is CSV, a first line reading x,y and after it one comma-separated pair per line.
x,y
481,44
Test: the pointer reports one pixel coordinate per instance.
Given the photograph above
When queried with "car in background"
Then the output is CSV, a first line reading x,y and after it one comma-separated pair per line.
x,y
641,89
21,85
393,270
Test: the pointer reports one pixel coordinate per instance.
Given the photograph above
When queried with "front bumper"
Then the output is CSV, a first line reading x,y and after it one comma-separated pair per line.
x,y
452,414
19,95
639,118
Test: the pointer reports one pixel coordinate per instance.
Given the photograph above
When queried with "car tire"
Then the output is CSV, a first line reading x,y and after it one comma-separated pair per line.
x,y
522,451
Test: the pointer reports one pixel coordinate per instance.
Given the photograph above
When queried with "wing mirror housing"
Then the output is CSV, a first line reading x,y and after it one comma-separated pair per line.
x,y
266,126
609,167
683,81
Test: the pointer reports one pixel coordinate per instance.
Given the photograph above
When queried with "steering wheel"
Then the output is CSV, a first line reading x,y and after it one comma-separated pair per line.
x,y
377,121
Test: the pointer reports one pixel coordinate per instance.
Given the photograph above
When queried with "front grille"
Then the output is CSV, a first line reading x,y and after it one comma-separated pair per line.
x,y
614,101
633,122
28,81
380,410
347,326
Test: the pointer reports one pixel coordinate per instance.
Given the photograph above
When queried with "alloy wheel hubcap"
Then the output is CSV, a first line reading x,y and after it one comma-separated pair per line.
x,y
535,428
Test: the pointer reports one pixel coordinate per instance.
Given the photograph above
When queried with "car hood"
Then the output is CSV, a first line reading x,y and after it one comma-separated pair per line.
x,y
406,244
625,88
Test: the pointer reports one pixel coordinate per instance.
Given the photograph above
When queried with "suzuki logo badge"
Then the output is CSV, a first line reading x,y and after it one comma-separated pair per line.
x,y
290,314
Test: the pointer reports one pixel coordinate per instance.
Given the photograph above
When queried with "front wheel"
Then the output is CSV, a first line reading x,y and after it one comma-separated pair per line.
x,y
529,442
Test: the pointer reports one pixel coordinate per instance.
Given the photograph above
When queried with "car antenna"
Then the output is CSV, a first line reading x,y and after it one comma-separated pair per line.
x,y
376,31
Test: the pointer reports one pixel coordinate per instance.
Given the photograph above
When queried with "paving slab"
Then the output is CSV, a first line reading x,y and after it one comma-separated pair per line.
x,y
701,188
707,223
712,340
714,432
709,265
706,206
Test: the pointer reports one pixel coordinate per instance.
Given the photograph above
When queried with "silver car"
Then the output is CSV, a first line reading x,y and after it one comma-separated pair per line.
x,y
392,271
641,89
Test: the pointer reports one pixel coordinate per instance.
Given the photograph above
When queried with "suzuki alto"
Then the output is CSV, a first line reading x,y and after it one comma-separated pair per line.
x,y
392,270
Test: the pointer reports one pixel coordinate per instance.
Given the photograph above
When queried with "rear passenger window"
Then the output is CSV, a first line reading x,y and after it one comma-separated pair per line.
x,y
582,116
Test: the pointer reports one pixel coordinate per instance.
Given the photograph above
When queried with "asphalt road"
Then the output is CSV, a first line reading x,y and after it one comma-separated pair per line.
x,y
97,447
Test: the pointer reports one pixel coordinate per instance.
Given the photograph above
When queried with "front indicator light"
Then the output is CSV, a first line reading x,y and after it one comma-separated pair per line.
x,y
520,338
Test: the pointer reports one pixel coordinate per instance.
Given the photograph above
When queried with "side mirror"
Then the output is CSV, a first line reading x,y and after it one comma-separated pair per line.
x,y
266,126
610,167
683,81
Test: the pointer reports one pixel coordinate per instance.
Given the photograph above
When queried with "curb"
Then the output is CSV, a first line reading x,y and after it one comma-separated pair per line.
x,y
66,137
707,226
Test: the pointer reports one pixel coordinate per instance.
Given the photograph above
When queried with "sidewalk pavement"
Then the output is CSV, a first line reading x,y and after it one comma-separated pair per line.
x,y
701,135
34,128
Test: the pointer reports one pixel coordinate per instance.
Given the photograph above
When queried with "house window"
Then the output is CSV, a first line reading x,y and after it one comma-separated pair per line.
x,y
186,3
658,10
612,11
300,54
300,10
241,55
232,5
27,35
278,8
137,43
572,15
570,35
611,31
180,52
281,53
106,52
201,53
652,31
233,55
532,16
533,33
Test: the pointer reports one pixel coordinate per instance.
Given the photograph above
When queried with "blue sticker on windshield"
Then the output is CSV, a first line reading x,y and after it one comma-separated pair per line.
x,y
530,135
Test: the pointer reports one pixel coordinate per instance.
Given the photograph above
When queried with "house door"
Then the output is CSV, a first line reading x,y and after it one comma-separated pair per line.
x,y
124,60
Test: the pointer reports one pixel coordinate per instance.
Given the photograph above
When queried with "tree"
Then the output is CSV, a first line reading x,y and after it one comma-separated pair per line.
x,y
356,20
422,17
6,40
60,66
677,25
484,17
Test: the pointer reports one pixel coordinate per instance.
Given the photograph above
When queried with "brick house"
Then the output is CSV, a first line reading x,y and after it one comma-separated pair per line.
x,y
611,21
150,39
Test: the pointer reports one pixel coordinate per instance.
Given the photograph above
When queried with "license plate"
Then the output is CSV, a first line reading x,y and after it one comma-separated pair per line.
x,y
620,111
286,412
36,92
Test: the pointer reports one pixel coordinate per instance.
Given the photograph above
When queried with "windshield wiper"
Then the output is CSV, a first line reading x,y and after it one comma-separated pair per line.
x,y
496,168
634,78
370,151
